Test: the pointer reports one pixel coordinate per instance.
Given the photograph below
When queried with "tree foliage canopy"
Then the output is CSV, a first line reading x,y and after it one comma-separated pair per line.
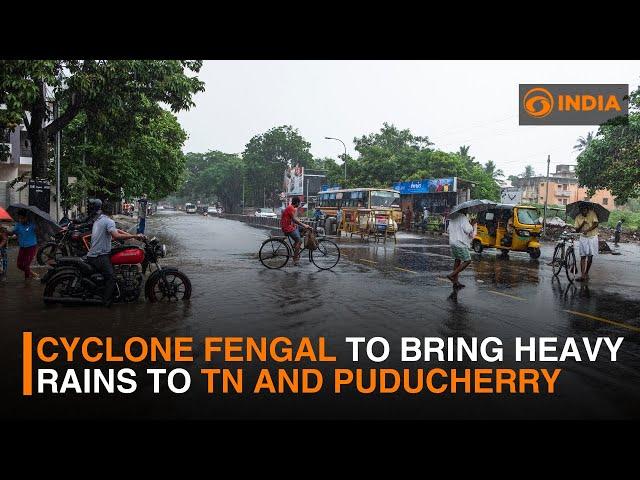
x,y
611,160
384,157
117,93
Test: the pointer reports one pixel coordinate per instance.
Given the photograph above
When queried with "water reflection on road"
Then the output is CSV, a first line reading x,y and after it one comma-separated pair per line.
x,y
389,290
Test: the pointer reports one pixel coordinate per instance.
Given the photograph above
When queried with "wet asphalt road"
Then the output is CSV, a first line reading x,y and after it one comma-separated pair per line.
x,y
376,290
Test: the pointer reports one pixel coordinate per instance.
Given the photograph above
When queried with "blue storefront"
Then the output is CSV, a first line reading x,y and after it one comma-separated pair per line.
x,y
438,195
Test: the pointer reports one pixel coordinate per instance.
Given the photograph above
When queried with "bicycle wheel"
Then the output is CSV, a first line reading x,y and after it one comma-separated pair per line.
x,y
557,263
571,266
326,256
274,253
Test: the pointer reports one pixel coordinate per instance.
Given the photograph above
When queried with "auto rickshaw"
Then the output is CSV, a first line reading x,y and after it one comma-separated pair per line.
x,y
509,228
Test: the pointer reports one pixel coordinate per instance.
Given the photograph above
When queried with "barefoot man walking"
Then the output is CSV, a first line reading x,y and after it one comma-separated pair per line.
x,y
460,235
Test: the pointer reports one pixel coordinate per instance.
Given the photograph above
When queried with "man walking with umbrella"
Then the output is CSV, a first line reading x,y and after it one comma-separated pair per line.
x,y
587,225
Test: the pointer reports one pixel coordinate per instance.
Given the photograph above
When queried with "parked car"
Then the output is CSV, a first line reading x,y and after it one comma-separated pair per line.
x,y
266,213
189,208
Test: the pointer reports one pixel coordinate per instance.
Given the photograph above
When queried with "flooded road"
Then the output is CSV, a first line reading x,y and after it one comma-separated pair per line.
x,y
376,290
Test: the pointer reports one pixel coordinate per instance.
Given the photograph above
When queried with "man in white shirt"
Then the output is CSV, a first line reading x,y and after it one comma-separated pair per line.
x,y
461,233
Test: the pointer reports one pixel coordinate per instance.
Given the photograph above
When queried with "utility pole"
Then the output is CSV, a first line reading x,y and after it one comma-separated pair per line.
x,y
242,209
546,200
56,113
345,155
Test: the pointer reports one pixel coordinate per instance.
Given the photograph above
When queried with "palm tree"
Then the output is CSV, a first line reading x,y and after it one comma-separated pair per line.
x,y
528,172
496,173
463,152
583,142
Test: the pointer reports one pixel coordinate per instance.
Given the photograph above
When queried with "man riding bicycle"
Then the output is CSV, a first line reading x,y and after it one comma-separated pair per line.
x,y
288,223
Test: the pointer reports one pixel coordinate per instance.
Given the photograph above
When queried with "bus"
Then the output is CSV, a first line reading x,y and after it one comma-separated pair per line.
x,y
190,208
365,211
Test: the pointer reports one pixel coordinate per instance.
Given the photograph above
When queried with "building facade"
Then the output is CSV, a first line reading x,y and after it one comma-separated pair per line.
x,y
14,163
563,189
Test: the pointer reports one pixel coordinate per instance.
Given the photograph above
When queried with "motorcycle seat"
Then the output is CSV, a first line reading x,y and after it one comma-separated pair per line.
x,y
76,262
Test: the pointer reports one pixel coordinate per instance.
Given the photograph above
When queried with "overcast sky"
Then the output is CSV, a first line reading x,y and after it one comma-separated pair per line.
x,y
452,102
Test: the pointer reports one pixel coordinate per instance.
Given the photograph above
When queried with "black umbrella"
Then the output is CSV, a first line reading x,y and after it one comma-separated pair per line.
x,y
573,210
473,206
45,225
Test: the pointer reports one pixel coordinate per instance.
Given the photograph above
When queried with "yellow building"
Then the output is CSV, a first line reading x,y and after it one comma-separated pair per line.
x,y
563,189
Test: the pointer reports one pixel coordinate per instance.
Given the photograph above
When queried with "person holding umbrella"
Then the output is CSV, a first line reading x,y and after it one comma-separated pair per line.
x,y
461,232
587,225
25,230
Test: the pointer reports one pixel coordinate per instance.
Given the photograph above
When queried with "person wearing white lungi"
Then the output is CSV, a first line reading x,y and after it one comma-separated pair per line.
x,y
587,225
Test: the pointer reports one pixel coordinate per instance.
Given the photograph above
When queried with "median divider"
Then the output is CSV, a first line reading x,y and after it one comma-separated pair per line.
x,y
273,223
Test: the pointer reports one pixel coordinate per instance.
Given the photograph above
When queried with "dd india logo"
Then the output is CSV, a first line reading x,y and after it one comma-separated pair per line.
x,y
573,104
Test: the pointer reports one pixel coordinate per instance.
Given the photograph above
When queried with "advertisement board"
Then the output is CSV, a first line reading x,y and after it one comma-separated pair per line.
x,y
427,185
294,180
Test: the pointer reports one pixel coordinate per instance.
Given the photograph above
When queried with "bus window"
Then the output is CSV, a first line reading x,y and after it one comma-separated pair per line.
x,y
381,198
332,199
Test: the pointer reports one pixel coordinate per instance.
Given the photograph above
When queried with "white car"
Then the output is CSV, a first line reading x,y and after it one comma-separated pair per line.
x,y
213,210
266,213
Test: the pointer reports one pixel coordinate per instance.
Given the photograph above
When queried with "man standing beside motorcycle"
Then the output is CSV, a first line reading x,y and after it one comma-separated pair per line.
x,y
143,204
99,255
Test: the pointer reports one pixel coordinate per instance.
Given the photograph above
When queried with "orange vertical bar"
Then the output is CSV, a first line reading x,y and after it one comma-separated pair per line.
x,y
27,352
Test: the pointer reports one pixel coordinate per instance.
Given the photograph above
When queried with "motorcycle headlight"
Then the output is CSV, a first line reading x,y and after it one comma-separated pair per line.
x,y
163,250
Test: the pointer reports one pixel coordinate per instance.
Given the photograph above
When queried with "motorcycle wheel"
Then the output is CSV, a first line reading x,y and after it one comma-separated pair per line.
x,y
63,285
173,287
48,253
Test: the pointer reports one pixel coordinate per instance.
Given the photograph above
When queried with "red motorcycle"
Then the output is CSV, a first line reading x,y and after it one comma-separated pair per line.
x,y
73,240
73,280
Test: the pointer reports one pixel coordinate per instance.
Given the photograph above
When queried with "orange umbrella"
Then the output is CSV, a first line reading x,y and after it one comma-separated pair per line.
x,y
4,216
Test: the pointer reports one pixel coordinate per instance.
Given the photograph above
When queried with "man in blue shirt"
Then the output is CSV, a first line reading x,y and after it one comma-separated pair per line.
x,y
99,256
25,230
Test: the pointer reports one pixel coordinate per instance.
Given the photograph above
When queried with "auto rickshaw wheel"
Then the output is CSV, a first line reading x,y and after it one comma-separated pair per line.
x,y
534,253
477,246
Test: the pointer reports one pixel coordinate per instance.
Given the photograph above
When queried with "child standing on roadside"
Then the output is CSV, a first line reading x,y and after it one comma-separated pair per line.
x,y
25,229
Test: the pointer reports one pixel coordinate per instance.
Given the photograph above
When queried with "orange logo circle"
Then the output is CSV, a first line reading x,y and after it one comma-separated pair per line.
x,y
538,102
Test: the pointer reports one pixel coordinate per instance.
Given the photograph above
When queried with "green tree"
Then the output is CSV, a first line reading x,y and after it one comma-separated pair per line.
x,y
334,171
611,159
214,176
528,172
146,158
266,158
108,90
583,142
387,156
491,169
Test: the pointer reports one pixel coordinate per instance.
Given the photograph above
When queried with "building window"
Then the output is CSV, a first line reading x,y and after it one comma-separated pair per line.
x,y
541,198
564,201
605,201
542,184
565,187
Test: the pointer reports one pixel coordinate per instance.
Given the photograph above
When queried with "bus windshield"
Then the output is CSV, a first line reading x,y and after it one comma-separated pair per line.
x,y
380,198
528,216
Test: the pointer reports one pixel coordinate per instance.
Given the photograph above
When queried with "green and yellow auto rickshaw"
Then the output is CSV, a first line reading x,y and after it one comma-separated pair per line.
x,y
509,228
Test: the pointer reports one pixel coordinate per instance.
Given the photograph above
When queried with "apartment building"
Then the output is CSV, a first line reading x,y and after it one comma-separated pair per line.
x,y
15,161
563,189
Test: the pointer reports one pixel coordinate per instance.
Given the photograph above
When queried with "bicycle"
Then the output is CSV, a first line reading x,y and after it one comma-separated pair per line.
x,y
564,256
275,253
